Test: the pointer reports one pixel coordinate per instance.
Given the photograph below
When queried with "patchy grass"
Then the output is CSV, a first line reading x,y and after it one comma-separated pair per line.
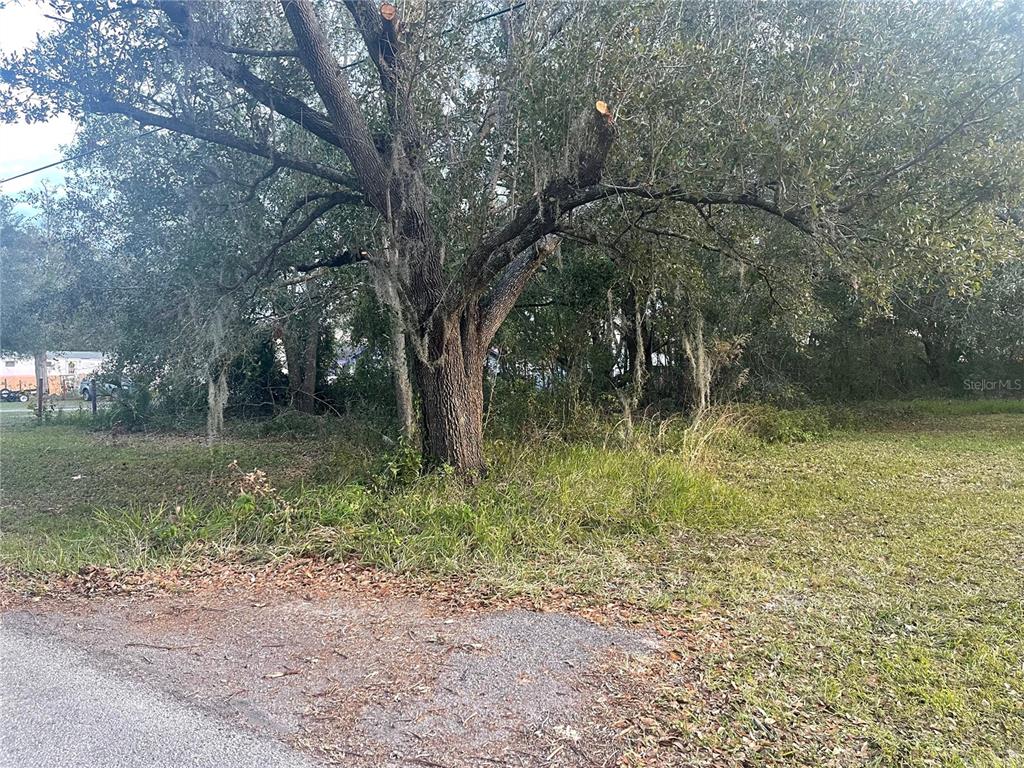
x,y
879,598
55,478
857,594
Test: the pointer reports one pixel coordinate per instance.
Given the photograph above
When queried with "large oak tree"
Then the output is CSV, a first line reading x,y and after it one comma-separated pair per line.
x,y
468,137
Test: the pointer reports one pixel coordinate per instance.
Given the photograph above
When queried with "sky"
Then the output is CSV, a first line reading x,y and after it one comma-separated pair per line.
x,y
22,146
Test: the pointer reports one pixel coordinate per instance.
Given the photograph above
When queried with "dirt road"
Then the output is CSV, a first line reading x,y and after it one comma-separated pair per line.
x,y
351,679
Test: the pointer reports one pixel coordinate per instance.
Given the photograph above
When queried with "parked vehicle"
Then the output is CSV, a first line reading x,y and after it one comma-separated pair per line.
x,y
103,387
15,396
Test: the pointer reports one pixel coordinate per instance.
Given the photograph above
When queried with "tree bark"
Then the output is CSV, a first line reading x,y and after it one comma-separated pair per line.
x,y
402,381
452,391
42,375
307,385
301,339
696,354
216,399
384,284
217,362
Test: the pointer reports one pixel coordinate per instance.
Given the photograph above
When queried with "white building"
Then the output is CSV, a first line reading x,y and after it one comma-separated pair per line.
x,y
64,370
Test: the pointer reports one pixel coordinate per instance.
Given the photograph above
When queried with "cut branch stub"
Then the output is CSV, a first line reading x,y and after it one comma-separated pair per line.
x,y
389,40
595,138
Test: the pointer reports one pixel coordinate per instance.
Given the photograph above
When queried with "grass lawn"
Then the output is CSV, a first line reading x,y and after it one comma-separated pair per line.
x,y
55,477
855,598
879,592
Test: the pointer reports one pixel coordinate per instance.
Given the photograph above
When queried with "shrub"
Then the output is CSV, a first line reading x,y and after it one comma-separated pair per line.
x,y
130,409
775,425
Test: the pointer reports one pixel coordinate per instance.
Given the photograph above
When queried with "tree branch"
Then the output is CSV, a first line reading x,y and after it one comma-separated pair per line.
x,y
795,217
104,104
216,55
368,22
379,30
341,259
965,122
266,264
258,52
331,84
538,216
502,297
326,204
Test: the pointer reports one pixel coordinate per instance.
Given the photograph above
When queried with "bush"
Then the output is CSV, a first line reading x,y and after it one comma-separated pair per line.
x,y
169,407
130,409
775,425
399,468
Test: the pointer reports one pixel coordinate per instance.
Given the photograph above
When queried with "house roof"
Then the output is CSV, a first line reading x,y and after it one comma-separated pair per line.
x,y
79,355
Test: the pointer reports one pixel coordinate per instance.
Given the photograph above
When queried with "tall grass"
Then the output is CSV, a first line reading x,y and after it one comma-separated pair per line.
x,y
547,498
545,501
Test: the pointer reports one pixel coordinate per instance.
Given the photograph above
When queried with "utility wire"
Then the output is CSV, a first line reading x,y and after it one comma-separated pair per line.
x,y
151,131
80,155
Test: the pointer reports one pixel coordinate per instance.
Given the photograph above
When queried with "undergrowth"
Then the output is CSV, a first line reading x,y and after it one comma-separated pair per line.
x,y
537,499
562,491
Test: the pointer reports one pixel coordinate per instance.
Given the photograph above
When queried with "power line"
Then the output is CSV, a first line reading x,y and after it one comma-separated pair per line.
x,y
80,155
138,136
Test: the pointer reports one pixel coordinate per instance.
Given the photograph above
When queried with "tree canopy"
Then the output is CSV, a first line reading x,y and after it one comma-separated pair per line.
x,y
688,187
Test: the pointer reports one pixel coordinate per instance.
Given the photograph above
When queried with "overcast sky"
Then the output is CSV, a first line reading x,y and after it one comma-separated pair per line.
x,y
23,147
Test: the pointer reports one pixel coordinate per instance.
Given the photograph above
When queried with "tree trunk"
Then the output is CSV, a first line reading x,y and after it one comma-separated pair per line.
x,y
216,399
217,361
301,339
632,344
574,378
292,362
940,354
696,354
630,334
450,363
388,297
400,374
307,386
452,388
42,375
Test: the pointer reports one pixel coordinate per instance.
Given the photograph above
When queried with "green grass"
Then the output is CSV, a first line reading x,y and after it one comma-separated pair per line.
x,y
15,408
854,582
56,477
961,407
881,592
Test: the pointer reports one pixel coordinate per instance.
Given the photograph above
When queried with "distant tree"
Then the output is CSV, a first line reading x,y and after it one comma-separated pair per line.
x,y
40,307
175,299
